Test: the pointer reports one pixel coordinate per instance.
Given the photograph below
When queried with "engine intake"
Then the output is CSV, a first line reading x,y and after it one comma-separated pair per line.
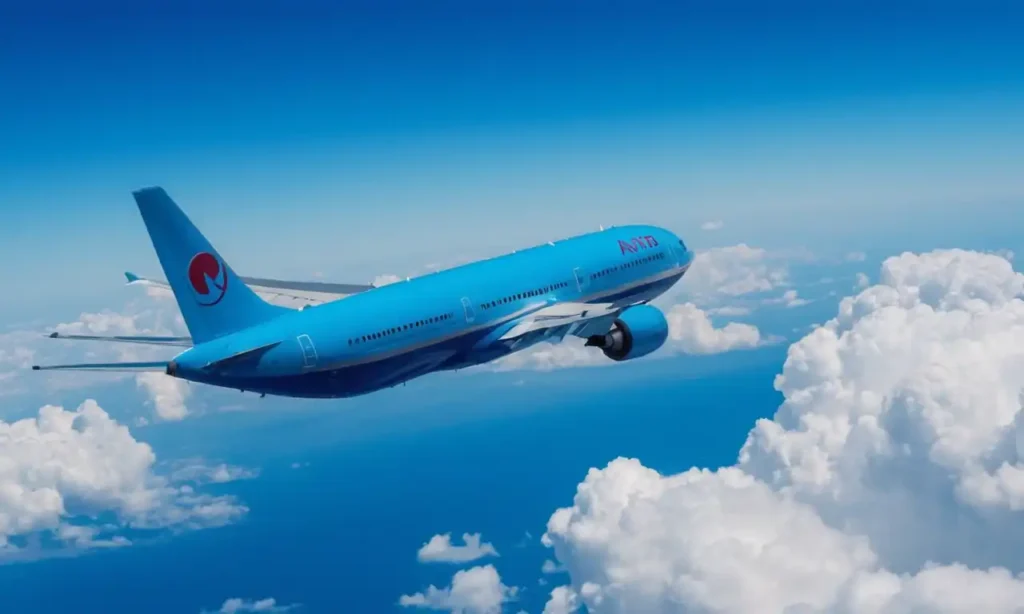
x,y
637,332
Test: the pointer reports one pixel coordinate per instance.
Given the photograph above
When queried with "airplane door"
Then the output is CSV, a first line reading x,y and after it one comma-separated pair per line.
x,y
308,351
467,307
581,279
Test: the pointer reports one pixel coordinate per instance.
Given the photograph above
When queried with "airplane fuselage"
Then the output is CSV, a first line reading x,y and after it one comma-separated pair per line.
x,y
441,321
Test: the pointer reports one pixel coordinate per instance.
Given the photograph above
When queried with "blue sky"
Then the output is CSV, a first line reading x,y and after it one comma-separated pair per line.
x,y
374,127
350,141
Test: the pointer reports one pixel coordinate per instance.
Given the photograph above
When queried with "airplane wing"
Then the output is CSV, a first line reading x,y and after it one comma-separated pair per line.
x,y
291,294
579,319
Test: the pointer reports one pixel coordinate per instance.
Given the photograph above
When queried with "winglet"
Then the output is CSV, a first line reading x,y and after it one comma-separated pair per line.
x,y
132,277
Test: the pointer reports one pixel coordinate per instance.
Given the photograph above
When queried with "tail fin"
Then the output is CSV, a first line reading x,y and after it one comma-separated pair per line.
x,y
213,300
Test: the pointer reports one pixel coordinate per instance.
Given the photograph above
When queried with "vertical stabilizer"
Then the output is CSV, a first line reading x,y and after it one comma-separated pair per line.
x,y
212,299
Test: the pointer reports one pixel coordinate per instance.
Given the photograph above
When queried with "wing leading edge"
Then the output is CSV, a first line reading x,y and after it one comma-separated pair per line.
x,y
291,294
560,319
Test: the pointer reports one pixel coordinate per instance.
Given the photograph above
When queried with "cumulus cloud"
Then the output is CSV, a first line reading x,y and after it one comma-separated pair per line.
x,y
550,567
440,549
856,257
712,225
863,281
477,590
563,600
20,349
789,298
691,331
167,394
734,271
196,471
62,470
238,606
890,479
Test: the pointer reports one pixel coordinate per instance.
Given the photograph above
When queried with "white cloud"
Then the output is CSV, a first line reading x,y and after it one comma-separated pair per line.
x,y
789,298
196,471
712,225
477,590
863,281
563,600
734,271
856,257
20,349
62,468
238,606
387,279
729,311
550,567
890,480
441,550
167,394
691,331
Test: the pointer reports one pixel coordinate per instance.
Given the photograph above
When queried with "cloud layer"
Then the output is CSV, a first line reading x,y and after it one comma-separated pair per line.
x,y
890,480
79,479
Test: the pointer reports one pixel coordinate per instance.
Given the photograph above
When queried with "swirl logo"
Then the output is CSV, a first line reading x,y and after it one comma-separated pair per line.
x,y
208,277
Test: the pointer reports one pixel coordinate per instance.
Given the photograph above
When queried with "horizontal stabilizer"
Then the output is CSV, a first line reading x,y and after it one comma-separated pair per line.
x,y
106,366
173,341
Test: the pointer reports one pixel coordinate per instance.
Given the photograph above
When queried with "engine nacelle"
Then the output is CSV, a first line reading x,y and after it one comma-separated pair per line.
x,y
637,332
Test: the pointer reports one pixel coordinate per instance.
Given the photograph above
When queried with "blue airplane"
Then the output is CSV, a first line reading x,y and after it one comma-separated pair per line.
x,y
322,340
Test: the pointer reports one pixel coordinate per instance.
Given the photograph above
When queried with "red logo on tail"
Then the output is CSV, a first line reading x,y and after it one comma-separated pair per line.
x,y
208,277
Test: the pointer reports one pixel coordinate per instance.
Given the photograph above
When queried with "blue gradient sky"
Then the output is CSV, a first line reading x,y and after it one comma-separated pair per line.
x,y
354,141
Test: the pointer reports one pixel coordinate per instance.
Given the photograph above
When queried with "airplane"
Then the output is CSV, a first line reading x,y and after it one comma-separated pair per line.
x,y
323,340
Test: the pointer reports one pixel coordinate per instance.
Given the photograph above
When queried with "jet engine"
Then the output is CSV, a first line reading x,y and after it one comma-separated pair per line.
x,y
637,332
